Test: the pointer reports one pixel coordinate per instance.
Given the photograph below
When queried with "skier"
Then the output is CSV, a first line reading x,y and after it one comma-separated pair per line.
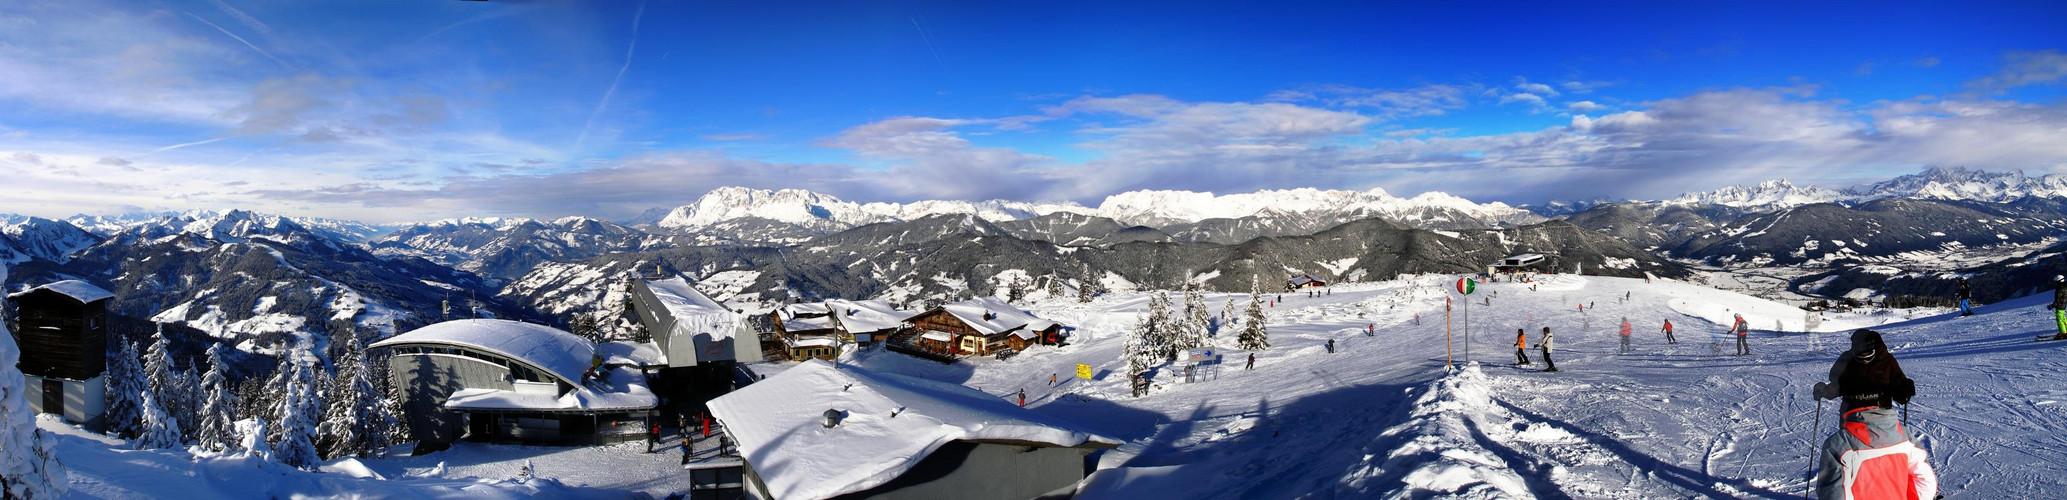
x,y
1873,456
1625,335
652,435
1331,346
1867,375
1521,346
1252,362
2060,305
1966,299
1022,397
1668,333
1545,345
1743,329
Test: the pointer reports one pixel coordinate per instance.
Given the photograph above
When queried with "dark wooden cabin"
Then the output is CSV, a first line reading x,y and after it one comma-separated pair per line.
x,y
63,330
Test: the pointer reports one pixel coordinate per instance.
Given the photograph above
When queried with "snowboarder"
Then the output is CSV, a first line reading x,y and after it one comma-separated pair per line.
x,y
1521,346
1873,456
2060,305
1252,362
1022,397
1625,335
1966,299
1867,375
1668,333
1742,329
1545,345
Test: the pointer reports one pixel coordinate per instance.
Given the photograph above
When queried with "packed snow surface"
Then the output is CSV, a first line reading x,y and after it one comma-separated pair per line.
x,y
1380,417
888,424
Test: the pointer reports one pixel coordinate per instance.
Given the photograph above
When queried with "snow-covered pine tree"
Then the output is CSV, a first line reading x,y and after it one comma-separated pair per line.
x,y
28,470
1253,336
1087,287
1055,289
168,387
160,429
1197,318
1161,327
354,420
216,421
298,406
1015,290
1140,354
125,387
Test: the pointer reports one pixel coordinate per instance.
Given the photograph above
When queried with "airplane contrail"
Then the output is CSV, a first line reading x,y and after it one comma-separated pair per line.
x,y
612,91
241,40
929,43
186,144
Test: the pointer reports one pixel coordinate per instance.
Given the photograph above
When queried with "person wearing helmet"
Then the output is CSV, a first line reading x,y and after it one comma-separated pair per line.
x,y
2060,305
1966,298
1742,329
1867,375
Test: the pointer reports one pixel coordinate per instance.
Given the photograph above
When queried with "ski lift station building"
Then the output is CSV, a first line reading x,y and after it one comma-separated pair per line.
x,y
501,380
1520,262
699,340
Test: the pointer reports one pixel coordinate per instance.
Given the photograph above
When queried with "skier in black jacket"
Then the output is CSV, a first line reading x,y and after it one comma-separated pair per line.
x,y
1867,375
1966,299
2060,305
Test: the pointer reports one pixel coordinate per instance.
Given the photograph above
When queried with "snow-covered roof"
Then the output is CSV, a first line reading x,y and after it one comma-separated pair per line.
x,y
631,353
812,308
811,342
81,291
937,336
860,316
564,355
796,324
625,389
779,425
683,301
1004,317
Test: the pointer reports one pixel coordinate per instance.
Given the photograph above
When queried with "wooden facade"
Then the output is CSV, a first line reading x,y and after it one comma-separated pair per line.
x,y
61,337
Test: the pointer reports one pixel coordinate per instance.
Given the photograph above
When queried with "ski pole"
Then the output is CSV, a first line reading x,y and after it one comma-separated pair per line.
x,y
1814,425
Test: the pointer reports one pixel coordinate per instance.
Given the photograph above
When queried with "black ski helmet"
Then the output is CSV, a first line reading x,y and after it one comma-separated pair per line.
x,y
1865,341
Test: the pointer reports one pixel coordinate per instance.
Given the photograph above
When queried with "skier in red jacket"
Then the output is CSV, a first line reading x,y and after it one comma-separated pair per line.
x,y
1874,457
1668,333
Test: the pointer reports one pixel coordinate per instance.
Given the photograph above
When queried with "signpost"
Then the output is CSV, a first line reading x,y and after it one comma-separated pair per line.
x,y
1464,288
1083,371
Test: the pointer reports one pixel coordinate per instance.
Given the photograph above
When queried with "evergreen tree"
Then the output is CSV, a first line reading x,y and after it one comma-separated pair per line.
x,y
1199,317
1141,355
355,420
1253,336
160,429
1161,328
28,470
1015,290
217,417
1055,289
299,404
1087,287
124,390
171,388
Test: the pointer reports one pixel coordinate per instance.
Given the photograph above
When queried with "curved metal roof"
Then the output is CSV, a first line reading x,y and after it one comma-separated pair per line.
x,y
560,353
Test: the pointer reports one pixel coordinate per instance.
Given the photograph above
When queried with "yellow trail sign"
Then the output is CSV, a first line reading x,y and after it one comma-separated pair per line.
x,y
1084,371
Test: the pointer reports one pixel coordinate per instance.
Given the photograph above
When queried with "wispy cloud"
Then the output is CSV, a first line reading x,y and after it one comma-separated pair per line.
x,y
241,40
2022,68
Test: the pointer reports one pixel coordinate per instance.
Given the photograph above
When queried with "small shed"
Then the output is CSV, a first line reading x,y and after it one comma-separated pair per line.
x,y
63,334
815,431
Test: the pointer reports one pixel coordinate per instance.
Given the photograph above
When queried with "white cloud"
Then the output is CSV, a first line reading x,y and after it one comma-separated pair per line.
x,y
1524,85
2021,68
1584,107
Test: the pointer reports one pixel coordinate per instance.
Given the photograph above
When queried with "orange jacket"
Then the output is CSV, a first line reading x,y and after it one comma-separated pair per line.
x,y
1521,340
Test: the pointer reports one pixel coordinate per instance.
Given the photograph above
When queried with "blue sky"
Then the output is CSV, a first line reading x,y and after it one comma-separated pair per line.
x,y
393,111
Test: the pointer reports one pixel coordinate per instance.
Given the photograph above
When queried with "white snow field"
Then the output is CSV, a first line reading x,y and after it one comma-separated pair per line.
x,y
1381,417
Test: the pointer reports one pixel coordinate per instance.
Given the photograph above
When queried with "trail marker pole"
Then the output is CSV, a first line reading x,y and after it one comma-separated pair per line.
x,y
1449,351
1464,288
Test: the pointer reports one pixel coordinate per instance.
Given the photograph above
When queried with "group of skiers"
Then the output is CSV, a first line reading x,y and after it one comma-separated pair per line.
x,y
1521,348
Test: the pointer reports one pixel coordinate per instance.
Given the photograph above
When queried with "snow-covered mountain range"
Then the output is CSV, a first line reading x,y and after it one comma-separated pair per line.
x,y
1934,183
818,214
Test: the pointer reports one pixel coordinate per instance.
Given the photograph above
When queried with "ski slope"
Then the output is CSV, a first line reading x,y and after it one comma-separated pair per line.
x,y
1383,417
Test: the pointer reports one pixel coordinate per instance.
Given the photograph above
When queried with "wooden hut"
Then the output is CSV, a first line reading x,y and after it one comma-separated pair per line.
x,y
63,334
